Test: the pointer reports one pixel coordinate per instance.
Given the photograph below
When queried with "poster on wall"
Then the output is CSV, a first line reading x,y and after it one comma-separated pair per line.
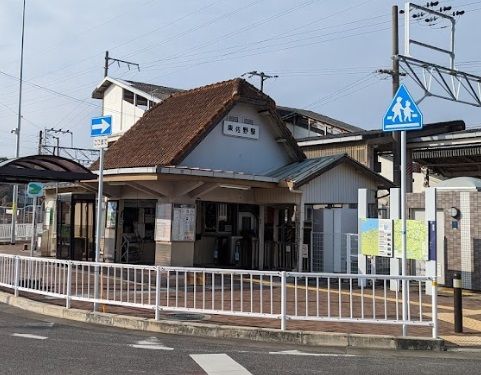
x,y
183,222
163,222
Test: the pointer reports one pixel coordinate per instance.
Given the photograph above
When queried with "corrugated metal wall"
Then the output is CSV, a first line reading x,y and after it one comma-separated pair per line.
x,y
338,185
357,152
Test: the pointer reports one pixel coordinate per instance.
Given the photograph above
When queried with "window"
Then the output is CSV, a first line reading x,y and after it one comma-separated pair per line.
x,y
233,118
248,121
141,102
128,96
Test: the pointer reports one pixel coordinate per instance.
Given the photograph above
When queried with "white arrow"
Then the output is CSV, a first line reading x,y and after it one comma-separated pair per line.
x,y
103,126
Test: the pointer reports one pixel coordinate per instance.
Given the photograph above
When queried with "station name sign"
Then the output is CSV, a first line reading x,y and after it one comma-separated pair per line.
x,y
238,129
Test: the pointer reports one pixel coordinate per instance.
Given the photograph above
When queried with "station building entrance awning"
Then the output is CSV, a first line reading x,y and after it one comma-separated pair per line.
x,y
43,168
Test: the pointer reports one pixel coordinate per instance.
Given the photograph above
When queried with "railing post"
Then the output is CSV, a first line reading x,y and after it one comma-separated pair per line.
x,y
283,301
69,285
348,255
434,303
96,286
17,276
157,293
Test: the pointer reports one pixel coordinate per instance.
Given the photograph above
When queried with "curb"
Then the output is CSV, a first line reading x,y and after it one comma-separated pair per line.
x,y
309,338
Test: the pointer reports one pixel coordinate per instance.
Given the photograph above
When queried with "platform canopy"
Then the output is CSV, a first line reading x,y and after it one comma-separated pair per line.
x,y
43,168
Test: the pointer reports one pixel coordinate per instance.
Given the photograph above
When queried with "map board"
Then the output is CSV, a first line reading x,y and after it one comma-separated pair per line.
x,y
376,237
416,238
382,237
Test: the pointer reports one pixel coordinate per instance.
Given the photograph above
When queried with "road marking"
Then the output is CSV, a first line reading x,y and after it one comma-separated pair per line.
x,y
151,344
297,352
29,336
219,364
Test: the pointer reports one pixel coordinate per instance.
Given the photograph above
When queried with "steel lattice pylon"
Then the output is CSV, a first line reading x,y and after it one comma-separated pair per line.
x,y
442,82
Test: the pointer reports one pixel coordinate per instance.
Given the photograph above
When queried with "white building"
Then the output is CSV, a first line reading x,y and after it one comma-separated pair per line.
x,y
213,177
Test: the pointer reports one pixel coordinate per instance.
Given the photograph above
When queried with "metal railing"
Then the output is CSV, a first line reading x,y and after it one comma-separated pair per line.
x,y
22,231
285,296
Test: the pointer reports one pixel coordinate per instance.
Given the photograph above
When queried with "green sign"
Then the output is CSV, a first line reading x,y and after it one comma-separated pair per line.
x,y
34,189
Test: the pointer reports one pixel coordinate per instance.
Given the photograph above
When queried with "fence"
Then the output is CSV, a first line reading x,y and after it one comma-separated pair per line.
x,y
262,294
22,231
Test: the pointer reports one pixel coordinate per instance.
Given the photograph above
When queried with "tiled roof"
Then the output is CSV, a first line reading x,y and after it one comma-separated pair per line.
x,y
171,129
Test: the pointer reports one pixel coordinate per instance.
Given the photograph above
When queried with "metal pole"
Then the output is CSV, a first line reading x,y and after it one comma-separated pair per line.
x,y
69,285
395,86
157,294
99,226
17,131
283,301
405,285
33,242
434,308
403,234
106,66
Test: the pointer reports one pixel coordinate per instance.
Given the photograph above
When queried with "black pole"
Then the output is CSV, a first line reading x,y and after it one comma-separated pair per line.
x,y
458,303
396,136
106,65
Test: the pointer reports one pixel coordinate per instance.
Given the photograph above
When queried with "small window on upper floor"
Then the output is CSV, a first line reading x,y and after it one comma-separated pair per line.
x,y
128,96
142,102
248,121
233,118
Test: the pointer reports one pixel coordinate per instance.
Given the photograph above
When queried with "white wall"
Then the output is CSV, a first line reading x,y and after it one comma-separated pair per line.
x,y
257,156
338,185
124,114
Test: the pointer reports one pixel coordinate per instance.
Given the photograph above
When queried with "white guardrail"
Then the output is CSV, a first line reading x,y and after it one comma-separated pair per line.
x,y
22,231
284,296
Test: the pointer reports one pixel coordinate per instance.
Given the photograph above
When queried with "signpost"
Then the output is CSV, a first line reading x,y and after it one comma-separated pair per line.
x,y
100,129
34,190
403,115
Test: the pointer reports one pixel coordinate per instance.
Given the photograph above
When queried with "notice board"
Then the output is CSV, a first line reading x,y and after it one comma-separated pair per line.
x,y
183,222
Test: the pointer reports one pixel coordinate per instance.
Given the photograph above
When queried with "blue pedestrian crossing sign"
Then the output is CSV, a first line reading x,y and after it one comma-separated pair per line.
x,y
101,126
403,113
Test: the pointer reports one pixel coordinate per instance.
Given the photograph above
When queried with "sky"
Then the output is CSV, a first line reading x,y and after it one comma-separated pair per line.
x,y
324,52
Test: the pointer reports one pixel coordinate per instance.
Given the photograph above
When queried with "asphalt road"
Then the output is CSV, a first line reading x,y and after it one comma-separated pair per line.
x,y
35,344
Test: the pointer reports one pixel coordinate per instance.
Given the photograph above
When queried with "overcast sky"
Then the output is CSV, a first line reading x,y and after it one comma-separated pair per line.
x,y
325,53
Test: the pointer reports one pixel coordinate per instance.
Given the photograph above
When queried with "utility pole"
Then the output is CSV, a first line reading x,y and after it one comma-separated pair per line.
x,y
40,140
110,60
396,136
395,75
106,65
59,131
263,77
17,132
